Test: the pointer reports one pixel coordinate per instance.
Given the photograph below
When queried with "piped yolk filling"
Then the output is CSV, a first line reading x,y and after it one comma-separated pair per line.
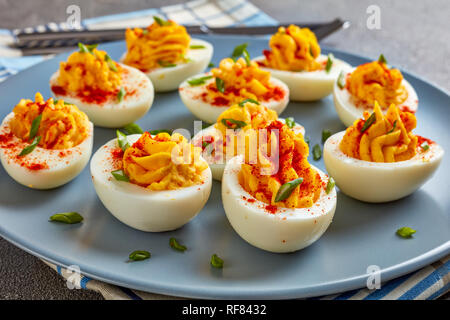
x,y
157,46
241,81
163,162
291,151
293,49
62,125
374,81
388,139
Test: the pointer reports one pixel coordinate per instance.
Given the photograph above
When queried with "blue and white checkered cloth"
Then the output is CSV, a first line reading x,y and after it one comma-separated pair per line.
x,y
428,283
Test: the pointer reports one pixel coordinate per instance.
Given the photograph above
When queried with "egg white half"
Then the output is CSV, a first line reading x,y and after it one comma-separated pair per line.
x,y
168,79
287,230
379,182
112,113
142,208
348,112
191,97
218,166
62,165
309,85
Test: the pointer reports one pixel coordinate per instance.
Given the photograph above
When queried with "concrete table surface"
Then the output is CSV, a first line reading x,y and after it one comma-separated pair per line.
x,y
414,35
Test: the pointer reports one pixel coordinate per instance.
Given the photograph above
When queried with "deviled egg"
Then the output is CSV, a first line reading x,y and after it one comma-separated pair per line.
x,y
236,132
151,183
165,52
45,144
111,94
281,203
294,58
379,159
357,90
208,95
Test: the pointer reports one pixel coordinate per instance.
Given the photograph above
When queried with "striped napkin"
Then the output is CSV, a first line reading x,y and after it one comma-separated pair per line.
x,y
428,283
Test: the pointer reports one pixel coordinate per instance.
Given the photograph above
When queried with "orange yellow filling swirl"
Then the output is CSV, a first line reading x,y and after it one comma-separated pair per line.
x,y
90,70
389,137
62,125
157,45
293,49
374,81
163,162
292,153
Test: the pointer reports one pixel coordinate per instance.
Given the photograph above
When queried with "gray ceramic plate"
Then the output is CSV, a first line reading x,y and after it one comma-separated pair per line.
x,y
361,234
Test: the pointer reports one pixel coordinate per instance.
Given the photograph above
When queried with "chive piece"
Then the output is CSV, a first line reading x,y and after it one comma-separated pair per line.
x,y
393,127
311,52
67,217
133,128
175,245
405,232
369,122
211,65
166,64
330,185
28,149
246,57
91,47
83,48
205,144
239,51
35,126
120,175
220,84
160,21
317,152
341,80
121,94
122,140
307,139
197,46
216,262
325,135
425,146
382,59
238,123
198,81
155,132
329,63
243,102
290,122
286,189
145,32
110,63
139,255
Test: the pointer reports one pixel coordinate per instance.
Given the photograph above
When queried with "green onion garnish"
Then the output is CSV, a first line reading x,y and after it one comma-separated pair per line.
x,y
197,46
286,189
211,65
243,102
425,146
393,127
145,32
325,135
205,144
220,84
382,59
67,217
369,122
317,152
175,245
329,63
28,149
290,122
405,232
111,63
216,262
122,140
166,64
139,255
341,80
121,94
227,122
330,185
83,48
246,57
199,81
133,128
120,175
160,21
239,51
155,132
307,139
35,126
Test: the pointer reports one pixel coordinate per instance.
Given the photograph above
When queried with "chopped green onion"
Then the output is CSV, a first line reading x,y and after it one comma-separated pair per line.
x,y
120,175
133,128
216,262
67,217
175,245
311,52
35,126
238,123
111,63
243,102
239,51
329,63
145,32
393,127
317,152
325,135
198,81
425,146
290,122
405,232
205,144
341,80
197,46
286,189
369,122
220,84
211,65
246,57
28,149
330,185
160,21
83,48
307,139
122,140
155,132
382,59
165,64
121,94
139,255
